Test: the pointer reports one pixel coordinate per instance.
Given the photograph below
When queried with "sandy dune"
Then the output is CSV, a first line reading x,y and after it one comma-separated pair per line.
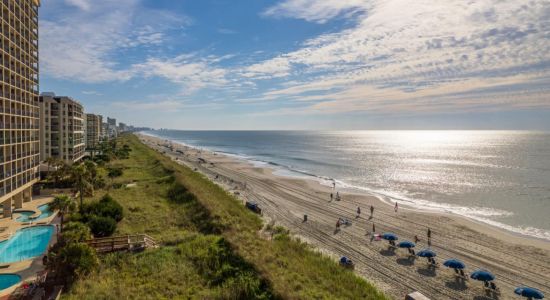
x,y
514,260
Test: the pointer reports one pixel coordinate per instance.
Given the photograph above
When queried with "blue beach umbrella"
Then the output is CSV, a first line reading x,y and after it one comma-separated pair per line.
x,y
482,275
528,292
406,244
426,253
454,264
389,236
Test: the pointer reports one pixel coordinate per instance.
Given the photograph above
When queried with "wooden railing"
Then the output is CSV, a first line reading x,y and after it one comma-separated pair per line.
x,y
122,243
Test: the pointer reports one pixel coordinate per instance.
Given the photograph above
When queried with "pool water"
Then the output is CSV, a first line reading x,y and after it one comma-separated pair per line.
x,y
26,215
25,243
8,280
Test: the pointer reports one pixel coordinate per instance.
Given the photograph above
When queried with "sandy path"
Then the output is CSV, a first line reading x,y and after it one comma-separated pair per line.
x,y
514,260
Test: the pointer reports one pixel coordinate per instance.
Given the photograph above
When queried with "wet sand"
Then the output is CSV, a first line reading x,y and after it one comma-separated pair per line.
x,y
515,260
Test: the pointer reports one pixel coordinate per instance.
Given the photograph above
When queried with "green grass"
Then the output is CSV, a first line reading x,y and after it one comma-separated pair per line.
x,y
211,245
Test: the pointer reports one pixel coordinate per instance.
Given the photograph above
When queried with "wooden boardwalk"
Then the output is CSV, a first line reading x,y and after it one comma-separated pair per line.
x,y
136,242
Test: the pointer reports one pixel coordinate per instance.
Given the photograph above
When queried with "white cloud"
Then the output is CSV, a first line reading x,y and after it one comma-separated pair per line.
x,y
395,55
95,93
83,45
191,72
82,4
275,67
319,11
403,52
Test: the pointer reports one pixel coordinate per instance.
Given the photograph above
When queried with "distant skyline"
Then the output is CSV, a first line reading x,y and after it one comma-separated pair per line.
x,y
302,64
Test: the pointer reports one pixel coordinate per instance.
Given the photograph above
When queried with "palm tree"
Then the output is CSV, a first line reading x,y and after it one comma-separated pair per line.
x,y
58,169
61,203
81,178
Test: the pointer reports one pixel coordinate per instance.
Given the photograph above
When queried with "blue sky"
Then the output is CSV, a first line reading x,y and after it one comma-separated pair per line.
x,y
302,64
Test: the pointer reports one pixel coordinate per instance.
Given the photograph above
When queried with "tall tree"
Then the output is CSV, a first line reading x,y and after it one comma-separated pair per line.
x,y
82,181
59,169
62,203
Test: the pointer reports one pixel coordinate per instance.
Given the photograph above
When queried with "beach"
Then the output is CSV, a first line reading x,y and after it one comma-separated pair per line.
x,y
515,260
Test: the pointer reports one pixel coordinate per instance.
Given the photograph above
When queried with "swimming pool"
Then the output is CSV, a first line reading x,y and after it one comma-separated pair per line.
x,y
25,243
8,280
26,215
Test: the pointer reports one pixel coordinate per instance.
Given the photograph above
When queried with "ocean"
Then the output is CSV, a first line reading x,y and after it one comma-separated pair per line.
x,y
501,178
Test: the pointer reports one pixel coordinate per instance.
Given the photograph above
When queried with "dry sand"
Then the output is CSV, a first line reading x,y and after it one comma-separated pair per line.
x,y
515,260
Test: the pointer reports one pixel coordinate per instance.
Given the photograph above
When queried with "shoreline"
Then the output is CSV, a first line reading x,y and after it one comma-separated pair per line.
x,y
285,200
278,171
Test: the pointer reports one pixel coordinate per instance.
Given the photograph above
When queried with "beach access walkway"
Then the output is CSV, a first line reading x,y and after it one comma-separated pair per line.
x,y
135,242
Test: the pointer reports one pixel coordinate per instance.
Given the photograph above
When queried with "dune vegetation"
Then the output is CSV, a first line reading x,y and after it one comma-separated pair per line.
x,y
210,245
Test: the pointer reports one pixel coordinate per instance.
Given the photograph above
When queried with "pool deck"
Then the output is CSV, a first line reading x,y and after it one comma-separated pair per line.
x,y
8,226
30,268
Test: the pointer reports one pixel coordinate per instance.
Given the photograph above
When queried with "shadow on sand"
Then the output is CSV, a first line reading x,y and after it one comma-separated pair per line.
x,y
405,261
388,252
458,284
427,271
489,296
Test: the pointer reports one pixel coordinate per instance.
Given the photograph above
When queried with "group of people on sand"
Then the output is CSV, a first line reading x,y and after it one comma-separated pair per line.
x,y
341,221
337,198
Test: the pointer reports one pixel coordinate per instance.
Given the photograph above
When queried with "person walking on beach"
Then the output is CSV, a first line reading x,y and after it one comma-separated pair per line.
x,y
395,208
358,211
331,196
429,236
373,229
416,239
371,210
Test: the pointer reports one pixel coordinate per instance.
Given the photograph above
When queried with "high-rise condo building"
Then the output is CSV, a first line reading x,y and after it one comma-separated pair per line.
x,y
93,130
112,130
122,127
61,128
19,140
104,131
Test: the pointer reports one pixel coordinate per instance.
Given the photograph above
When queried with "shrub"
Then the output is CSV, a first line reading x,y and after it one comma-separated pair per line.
x,y
77,258
113,172
102,226
99,182
244,286
179,194
215,261
75,232
101,159
106,207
